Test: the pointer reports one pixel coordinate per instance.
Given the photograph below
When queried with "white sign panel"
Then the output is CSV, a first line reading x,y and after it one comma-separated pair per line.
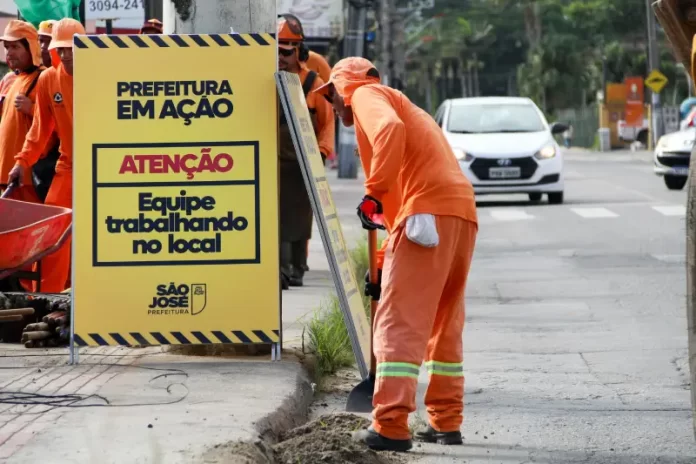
x,y
114,9
319,18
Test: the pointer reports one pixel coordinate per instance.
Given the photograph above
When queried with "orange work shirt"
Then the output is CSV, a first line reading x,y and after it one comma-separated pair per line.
x,y
318,64
14,125
53,111
409,165
325,120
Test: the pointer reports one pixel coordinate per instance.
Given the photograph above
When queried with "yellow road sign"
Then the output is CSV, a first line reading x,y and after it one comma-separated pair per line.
x,y
350,297
175,190
656,81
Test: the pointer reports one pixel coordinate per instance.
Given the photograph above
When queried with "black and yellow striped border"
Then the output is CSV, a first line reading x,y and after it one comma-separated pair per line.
x,y
174,41
179,338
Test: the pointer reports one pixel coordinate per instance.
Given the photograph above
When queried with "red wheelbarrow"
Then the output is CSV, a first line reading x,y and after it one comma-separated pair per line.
x,y
28,233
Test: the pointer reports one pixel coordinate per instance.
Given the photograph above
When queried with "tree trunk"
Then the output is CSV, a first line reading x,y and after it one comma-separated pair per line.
x,y
691,281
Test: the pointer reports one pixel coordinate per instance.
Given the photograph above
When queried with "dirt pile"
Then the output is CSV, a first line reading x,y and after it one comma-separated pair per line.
x,y
328,440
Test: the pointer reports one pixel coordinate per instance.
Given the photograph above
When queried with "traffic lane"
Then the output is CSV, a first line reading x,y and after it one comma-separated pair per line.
x,y
575,345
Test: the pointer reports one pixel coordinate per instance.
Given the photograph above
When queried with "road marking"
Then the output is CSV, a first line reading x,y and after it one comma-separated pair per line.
x,y
510,215
674,210
593,212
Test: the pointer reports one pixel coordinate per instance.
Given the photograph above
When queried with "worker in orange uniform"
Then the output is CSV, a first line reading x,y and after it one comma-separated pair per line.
x,y
152,27
415,189
23,54
317,63
295,207
54,111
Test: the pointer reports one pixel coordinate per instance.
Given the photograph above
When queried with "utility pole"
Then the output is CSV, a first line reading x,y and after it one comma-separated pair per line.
x,y
658,128
353,45
385,40
218,16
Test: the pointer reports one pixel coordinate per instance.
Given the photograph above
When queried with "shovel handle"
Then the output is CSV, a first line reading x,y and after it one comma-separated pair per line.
x,y
374,278
9,189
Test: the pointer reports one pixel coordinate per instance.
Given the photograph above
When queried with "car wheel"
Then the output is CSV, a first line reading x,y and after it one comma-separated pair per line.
x,y
535,196
675,182
556,198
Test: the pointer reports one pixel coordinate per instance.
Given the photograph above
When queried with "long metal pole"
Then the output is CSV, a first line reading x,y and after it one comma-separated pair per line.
x,y
353,45
658,128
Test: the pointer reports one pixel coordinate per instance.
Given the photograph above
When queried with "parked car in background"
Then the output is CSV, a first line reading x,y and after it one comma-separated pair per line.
x,y
632,133
505,145
672,156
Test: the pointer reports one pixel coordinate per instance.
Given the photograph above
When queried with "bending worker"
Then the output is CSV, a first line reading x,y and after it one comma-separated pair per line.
x,y
54,111
24,58
414,187
295,207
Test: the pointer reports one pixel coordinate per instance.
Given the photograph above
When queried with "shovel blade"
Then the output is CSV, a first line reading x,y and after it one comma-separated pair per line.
x,y
360,398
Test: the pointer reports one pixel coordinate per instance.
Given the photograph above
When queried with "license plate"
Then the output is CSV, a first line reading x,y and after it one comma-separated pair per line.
x,y
505,173
680,171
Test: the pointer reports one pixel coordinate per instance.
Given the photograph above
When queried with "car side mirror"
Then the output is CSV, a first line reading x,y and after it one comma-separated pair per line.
x,y
558,128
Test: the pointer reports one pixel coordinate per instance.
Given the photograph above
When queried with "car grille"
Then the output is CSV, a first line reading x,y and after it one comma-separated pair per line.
x,y
672,159
527,166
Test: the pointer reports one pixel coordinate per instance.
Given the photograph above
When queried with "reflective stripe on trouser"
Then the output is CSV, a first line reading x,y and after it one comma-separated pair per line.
x,y
55,268
422,312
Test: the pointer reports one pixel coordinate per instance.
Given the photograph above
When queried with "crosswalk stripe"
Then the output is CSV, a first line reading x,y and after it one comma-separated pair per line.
x,y
674,210
594,212
510,215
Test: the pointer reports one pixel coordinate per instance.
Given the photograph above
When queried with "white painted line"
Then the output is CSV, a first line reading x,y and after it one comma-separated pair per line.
x,y
510,215
593,213
674,210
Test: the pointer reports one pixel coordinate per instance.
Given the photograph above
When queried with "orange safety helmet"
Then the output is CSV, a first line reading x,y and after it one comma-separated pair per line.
x,y
21,30
290,33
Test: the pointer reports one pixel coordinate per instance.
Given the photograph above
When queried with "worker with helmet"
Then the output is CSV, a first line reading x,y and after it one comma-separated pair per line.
x,y
151,27
23,55
48,57
54,111
415,190
295,208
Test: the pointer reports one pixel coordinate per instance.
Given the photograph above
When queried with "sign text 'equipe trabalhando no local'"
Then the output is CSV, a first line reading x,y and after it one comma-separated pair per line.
x,y
175,187
305,142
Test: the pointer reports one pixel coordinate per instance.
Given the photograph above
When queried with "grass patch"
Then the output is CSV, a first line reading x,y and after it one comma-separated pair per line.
x,y
328,337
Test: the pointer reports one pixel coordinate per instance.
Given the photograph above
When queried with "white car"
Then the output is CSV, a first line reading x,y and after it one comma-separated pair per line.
x,y
504,145
672,155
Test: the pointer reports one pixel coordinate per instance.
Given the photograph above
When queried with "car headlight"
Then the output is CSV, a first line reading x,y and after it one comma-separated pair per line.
x,y
549,151
662,144
461,155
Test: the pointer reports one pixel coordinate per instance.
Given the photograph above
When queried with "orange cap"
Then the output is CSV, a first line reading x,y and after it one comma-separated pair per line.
x,y
348,75
63,32
152,24
46,27
289,33
18,30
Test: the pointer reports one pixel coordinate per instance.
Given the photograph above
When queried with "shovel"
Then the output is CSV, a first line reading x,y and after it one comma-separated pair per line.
x,y
360,398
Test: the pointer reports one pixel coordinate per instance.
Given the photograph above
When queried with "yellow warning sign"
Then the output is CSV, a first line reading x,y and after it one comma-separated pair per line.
x,y
308,154
656,81
176,206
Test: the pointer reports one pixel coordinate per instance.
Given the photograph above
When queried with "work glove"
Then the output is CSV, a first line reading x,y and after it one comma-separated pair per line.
x,y
370,213
373,290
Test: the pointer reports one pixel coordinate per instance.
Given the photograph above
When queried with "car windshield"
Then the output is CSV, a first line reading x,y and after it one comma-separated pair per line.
x,y
482,119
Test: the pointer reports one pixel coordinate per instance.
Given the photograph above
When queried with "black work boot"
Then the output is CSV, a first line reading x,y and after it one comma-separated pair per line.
x,y
430,435
378,442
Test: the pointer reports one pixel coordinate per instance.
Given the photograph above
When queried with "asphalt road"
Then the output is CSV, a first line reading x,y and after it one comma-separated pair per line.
x,y
575,345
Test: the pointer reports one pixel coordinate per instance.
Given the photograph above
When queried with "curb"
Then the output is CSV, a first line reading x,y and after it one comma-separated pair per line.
x,y
292,412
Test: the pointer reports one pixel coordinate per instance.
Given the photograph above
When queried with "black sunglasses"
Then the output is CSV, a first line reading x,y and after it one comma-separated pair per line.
x,y
286,52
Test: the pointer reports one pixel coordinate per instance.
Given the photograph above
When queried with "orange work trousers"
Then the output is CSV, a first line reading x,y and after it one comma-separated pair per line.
x,y
421,316
55,268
